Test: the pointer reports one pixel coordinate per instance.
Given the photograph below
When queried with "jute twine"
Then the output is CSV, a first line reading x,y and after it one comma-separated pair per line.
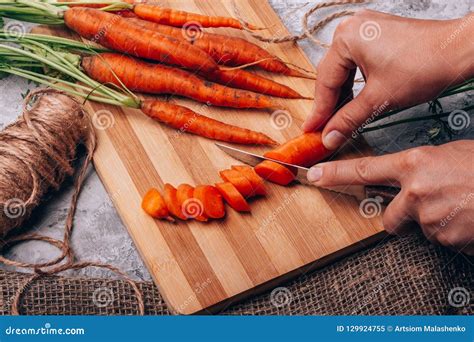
x,y
307,32
37,153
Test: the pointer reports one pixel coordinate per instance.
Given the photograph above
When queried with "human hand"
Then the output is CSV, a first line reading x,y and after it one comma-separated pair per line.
x,y
404,61
437,189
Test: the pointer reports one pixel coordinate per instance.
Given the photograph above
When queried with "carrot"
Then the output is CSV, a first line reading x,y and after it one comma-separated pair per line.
x,y
159,79
250,81
304,150
154,205
232,196
117,33
188,121
254,179
274,172
172,17
190,207
226,50
211,200
174,207
242,184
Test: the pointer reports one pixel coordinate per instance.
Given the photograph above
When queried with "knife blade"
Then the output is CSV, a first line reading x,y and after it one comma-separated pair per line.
x,y
360,192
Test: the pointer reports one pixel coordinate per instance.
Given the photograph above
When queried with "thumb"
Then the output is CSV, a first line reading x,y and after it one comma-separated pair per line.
x,y
347,120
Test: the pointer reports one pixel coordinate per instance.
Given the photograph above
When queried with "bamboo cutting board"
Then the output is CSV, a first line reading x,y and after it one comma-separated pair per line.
x,y
203,267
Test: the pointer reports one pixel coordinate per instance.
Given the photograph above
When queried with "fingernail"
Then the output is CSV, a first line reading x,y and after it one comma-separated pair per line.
x,y
333,140
314,174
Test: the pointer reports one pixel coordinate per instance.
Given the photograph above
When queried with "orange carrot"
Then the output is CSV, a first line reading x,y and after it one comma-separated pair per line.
x,y
304,150
151,78
154,205
174,207
274,172
253,177
243,79
117,33
242,184
188,121
190,207
232,196
172,17
211,200
226,50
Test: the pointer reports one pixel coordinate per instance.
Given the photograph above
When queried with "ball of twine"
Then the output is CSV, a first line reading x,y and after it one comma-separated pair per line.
x,y
37,153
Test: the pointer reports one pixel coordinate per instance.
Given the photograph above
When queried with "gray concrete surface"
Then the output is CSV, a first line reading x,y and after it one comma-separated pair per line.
x,y
99,233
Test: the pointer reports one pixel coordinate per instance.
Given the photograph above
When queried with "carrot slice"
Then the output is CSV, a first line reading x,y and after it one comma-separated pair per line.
x,y
253,177
169,195
242,184
190,207
274,172
232,196
154,205
304,150
211,200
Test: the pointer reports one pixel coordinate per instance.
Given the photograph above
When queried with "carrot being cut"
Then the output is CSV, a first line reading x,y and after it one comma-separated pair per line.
x,y
233,197
241,182
117,33
225,50
274,172
154,205
172,17
211,200
171,200
190,207
304,150
188,121
254,179
152,78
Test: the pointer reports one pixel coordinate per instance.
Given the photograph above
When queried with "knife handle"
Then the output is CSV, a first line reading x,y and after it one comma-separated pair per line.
x,y
386,193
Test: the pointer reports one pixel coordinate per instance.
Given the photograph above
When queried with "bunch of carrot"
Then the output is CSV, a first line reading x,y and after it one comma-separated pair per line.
x,y
241,182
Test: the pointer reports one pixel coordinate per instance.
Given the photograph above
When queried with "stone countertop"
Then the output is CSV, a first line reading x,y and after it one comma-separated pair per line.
x,y
99,233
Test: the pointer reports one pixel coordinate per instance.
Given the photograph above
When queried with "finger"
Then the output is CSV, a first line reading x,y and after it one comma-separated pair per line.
x,y
397,218
333,72
382,170
349,118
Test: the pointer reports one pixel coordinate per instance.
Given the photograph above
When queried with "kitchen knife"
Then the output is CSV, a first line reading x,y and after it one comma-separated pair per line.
x,y
384,194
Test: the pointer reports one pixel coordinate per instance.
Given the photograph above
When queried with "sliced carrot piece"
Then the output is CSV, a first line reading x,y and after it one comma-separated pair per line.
x,y
169,195
232,196
254,179
242,184
190,207
154,205
274,172
211,200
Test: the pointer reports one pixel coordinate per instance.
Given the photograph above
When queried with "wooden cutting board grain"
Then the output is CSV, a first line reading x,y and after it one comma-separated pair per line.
x,y
203,267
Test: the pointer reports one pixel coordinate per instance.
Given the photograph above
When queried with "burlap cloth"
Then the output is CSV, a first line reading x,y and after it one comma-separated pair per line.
x,y
400,276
